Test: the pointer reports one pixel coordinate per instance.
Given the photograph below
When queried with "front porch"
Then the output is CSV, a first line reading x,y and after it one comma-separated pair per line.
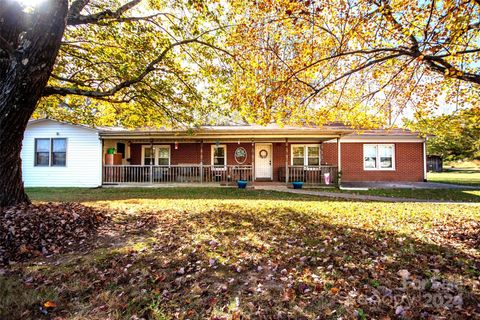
x,y
221,156
170,174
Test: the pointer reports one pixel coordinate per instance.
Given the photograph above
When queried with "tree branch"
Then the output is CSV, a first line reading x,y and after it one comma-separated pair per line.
x,y
346,74
76,7
76,18
51,90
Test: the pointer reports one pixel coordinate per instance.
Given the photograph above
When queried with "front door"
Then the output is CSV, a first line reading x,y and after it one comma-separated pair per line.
x,y
263,161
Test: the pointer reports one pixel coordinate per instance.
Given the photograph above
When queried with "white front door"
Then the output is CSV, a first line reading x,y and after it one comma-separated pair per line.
x,y
263,161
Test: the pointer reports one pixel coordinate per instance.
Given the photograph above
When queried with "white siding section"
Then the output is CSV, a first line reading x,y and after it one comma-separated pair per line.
x,y
84,156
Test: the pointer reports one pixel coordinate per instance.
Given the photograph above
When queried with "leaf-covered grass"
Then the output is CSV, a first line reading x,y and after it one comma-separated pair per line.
x,y
460,195
466,177
194,256
123,193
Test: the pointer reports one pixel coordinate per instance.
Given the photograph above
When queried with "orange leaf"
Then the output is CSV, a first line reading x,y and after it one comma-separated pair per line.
x,y
334,290
49,304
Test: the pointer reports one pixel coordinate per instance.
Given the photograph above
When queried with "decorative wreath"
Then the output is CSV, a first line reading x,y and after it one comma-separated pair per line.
x,y
240,155
263,153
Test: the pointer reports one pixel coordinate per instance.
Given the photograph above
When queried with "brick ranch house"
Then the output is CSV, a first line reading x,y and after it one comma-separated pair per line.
x,y
63,154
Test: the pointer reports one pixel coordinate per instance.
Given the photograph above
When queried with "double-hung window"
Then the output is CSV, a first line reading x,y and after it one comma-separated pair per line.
x,y
158,155
50,152
379,157
303,155
219,155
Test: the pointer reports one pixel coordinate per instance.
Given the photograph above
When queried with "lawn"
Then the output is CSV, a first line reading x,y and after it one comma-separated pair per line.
x,y
196,253
461,176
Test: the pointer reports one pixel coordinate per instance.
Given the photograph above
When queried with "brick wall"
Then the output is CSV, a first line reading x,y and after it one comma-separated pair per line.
x,y
189,153
278,158
330,153
408,159
408,164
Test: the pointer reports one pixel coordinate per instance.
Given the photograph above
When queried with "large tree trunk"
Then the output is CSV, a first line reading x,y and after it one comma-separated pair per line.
x,y
29,44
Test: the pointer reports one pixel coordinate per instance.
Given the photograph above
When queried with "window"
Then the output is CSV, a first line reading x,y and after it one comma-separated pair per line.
x,y
298,155
163,156
219,155
313,154
305,155
121,149
59,152
148,156
51,152
378,157
159,155
42,152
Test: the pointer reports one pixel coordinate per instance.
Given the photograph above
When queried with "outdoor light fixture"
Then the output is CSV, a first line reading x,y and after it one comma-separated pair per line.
x,y
176,145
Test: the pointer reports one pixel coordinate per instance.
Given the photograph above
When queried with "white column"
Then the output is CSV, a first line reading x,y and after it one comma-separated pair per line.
x,y
286,162
339,154
424,160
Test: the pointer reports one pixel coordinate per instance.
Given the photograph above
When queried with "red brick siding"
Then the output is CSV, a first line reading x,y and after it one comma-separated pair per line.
x,y
189,153
408,159
231,147
408,163
278,158
330,154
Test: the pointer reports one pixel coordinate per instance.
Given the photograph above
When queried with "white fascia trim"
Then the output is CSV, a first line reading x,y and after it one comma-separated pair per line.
x,y
379,139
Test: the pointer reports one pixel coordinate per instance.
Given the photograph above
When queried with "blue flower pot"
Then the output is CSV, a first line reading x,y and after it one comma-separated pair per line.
x,y
297,184
242,184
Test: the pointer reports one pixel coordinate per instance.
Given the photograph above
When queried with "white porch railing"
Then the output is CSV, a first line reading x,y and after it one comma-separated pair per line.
x,y
314,175
146,174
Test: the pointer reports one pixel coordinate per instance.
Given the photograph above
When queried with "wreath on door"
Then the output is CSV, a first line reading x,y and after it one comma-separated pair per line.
x,y
263,153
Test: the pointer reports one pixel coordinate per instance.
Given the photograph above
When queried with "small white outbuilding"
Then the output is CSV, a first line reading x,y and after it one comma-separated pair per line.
x,y
57,154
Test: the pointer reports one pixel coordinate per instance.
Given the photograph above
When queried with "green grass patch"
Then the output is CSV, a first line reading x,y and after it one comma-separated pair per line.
x,y
125,193
469,177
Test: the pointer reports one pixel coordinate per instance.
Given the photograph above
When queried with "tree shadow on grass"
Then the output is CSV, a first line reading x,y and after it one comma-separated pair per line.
x,y
167,193
278,264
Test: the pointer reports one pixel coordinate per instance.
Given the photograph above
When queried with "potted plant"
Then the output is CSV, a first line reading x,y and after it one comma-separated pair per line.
x,y
242,184
297,184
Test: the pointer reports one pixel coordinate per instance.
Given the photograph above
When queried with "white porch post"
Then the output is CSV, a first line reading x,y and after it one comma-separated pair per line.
x,y
286,161
151,160
102,160
339,156
253,160
424,160
201,161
